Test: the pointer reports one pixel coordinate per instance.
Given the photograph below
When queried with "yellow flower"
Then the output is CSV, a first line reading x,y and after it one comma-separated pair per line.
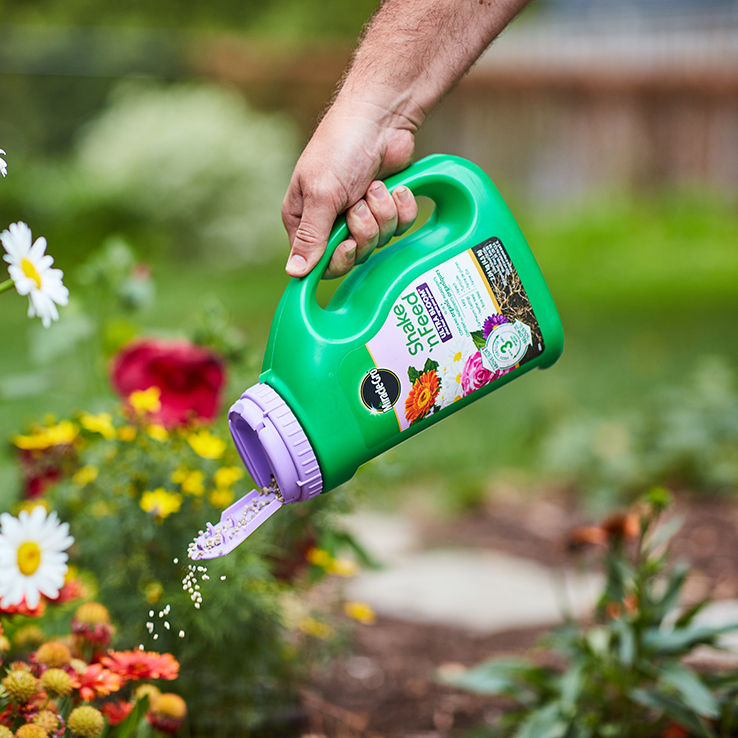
x,y
145,401
360,611
221,497
227,476
102,424
193,483
127,433
206,444
31,505
86,475
158,433
343,568
319,557
312,627
160,503
61,434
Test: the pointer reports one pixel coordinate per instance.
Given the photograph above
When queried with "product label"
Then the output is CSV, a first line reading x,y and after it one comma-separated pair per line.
x,y
455,329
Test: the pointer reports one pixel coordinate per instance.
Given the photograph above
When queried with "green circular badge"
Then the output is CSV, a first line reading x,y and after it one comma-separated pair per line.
x,y
506,346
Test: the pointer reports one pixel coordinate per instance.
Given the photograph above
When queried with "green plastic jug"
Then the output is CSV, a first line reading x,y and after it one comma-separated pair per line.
x,y
430,323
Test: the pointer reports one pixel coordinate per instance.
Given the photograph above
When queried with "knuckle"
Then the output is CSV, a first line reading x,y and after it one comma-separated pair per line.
x,y
307,233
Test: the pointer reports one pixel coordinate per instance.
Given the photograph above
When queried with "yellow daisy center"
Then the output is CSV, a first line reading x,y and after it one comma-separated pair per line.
x,y
30,271
29,558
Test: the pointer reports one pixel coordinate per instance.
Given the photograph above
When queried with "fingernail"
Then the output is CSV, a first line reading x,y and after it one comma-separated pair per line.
x,y
379,191
296,263
403,194
361,209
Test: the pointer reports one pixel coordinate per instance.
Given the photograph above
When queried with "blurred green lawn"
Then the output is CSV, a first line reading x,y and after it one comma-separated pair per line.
x,y
645,289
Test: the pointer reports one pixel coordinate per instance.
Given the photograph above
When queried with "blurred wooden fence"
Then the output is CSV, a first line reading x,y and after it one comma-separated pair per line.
x,y
553,110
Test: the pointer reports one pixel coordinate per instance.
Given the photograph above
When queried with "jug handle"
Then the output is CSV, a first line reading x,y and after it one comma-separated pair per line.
x,y
451,182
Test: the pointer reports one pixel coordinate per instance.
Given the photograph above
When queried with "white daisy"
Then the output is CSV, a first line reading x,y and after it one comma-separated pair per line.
x,y
3,165
30,269
32,558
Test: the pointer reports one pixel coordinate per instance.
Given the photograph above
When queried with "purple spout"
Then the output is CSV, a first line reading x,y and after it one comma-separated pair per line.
x,y
272,443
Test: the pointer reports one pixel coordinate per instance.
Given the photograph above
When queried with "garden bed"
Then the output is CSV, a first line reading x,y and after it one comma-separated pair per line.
x,y
385,686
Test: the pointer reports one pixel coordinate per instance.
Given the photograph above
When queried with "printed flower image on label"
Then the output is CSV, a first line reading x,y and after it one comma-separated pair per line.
x,y
455,329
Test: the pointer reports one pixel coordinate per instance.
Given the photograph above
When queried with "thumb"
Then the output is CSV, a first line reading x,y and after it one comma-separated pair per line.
x,y
310,236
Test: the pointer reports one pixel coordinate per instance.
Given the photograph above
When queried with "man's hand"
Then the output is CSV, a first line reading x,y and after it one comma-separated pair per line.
x,y
411,54
340,171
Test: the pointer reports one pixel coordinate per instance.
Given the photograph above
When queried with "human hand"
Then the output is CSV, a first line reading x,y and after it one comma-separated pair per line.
x,y
339,171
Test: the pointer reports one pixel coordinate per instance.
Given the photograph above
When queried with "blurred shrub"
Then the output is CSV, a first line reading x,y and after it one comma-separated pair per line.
x,y
686,437
624,675
197,160
136,497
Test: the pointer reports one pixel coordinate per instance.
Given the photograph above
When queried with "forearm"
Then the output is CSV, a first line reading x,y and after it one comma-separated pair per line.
x,y
413,52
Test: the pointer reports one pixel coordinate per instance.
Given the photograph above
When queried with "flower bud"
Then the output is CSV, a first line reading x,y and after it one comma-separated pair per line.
x,y
56,682
47,720
20,685
29,730
53,654
86,722
167,713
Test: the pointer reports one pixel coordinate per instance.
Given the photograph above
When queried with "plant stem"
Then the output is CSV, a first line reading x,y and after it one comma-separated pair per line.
x,y
6,285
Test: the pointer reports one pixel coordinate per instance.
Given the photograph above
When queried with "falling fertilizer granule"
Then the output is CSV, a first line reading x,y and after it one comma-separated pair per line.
x,y
236,523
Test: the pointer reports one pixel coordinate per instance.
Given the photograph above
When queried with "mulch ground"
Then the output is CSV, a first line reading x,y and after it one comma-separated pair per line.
x,y
385,685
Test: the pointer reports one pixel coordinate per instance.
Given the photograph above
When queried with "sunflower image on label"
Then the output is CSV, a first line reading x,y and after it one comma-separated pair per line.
x,y
455,329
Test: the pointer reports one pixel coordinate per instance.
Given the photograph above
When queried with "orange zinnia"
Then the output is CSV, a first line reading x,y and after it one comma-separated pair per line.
x,y
422,396
135,665
96,682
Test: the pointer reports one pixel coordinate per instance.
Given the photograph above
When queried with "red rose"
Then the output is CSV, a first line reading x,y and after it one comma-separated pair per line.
x,y
190,378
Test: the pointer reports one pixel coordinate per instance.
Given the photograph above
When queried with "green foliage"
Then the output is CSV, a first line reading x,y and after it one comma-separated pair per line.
x,y
686,436
624,673
136,501
328,17
196,159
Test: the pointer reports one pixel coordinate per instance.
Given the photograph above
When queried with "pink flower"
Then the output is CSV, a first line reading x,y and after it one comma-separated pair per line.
x,y
474,375
190,378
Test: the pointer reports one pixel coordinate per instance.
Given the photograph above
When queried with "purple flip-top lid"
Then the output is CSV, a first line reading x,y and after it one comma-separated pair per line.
x,y
271,442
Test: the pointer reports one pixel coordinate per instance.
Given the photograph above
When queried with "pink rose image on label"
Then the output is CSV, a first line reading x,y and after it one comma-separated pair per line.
x,y
474,375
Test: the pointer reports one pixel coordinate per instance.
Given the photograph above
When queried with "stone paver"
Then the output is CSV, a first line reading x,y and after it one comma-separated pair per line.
x,y
481,590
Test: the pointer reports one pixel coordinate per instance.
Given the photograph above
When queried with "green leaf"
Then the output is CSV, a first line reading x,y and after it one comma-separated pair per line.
x,y
691,688
430,366
571,683
664,533
130,724
684,639
689,614
499,676
546,722
674,587
626,652
674,709
413,374
478,338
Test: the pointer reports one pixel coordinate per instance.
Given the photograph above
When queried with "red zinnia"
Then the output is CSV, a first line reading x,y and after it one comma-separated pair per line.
x,y
116,712
190,378
135,665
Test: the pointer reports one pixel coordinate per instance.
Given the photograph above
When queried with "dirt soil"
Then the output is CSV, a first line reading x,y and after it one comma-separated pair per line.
x,y
385,686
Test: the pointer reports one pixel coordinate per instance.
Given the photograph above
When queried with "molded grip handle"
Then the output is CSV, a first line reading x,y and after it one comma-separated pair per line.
x,y
454,184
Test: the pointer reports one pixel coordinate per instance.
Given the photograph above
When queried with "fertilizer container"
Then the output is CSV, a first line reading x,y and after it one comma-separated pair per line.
x,y
432,322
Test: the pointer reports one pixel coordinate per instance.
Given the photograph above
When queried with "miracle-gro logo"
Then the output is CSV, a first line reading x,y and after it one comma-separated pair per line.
x,y
380,390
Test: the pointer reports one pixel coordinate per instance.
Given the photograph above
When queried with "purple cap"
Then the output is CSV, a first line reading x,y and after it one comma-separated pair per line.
x,y
271,442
